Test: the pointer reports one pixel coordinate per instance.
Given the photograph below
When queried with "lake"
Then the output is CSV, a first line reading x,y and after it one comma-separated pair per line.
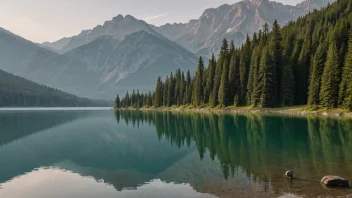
x,y
100,153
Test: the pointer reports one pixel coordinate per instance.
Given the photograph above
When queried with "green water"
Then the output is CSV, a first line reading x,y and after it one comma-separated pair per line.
x,y
92,153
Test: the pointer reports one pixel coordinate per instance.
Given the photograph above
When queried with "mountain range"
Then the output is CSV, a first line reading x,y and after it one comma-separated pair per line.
x,y
126,53
100,68
205,34
233,22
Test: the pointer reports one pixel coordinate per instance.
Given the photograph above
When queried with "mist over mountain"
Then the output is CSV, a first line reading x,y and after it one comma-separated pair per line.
x,y
97,69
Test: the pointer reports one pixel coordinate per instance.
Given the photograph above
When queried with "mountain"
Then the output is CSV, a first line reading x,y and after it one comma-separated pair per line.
x,y
134,62
97,69
233,22
26,59
118,28
313,4
16,91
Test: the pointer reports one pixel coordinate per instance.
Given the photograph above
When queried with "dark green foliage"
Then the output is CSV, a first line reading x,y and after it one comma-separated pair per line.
x,y
315,79
302,69
159,91
276,56
224,53
287,86
170,91
253,76
330,79
346,83
244,69
188,92
234,76
117,102
198,88
306,62
210,79
268,87
19,92
223,95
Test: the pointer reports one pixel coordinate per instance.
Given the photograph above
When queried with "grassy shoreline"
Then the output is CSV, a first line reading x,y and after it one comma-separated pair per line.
x,y
295,110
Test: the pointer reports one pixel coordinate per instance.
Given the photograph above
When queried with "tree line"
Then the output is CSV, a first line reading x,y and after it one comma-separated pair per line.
x,y
19,92
308,62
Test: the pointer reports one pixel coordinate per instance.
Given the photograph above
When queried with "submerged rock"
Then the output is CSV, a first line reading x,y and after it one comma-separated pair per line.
x,y
334,181
289,174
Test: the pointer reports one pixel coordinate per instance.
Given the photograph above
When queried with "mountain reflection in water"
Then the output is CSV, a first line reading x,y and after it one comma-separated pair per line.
x,y
125,153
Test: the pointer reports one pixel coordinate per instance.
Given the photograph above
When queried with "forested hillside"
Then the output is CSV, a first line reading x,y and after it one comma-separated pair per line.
x,y
306,62
19,92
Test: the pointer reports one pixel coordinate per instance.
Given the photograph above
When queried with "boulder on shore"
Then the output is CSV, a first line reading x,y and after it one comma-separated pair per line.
x,y
334,181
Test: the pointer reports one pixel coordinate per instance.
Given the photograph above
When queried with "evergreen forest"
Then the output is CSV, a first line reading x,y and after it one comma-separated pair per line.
x,y
307,62
19,92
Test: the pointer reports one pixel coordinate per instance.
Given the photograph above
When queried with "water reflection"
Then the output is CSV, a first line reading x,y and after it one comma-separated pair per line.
x,y
126,152
39,183
264,147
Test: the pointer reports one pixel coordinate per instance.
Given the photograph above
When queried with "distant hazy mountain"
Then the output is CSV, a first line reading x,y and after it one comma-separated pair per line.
x,y
19,92
26,59
133,63
233,22
117,28
98,69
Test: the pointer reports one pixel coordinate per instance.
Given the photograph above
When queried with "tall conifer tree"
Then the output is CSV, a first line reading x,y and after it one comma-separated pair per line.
x,y
198,87
330,79
346,83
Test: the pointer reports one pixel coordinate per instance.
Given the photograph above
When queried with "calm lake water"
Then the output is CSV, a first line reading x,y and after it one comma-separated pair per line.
x,y
106,154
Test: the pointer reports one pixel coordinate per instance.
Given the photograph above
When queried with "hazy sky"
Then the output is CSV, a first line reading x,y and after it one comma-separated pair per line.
x,y
50,20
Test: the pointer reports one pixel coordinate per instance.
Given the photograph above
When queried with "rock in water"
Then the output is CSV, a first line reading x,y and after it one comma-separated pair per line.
x,y
289,174
334,181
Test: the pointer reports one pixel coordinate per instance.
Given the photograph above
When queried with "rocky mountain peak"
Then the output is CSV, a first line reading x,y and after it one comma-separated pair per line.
x,y
313,4
258,2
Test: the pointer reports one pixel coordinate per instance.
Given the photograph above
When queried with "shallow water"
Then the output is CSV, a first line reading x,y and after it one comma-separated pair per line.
x,y
90,153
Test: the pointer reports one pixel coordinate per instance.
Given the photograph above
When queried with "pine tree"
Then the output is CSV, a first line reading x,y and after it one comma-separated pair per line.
x,y
210,79
159,93
268,71
223,95
197,92
232,47
287,85
117,102
127,100
345,93
182,88
234,76
188,94
177,87
218,71
257,82
315,77
253,72
330,79
170,91
165,90
276,56
244,70
303,69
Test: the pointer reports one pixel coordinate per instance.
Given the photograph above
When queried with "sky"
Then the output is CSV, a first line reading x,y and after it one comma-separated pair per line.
x,y
50,20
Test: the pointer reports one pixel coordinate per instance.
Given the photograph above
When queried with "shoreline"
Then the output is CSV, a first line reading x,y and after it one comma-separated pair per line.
x,y
296,110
